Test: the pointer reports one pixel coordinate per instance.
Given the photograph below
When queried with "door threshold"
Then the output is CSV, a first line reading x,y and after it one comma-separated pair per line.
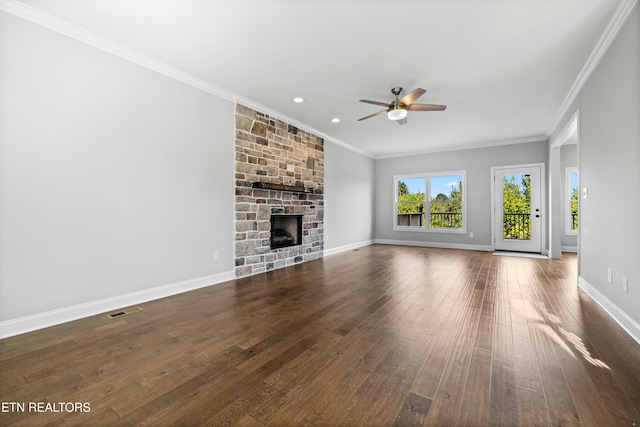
x,y
520,254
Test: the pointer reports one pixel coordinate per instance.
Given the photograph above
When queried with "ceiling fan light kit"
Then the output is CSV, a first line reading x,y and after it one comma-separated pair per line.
x,y
397,113
399,108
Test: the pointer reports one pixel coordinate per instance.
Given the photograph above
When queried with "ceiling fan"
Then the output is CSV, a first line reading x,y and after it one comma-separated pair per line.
x,y
397,110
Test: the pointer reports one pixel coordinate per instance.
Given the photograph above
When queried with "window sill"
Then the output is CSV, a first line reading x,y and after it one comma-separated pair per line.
x,y
430,230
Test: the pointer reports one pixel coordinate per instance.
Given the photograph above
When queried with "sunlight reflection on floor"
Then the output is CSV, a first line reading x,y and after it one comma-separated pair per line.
x,y
579,345
575,341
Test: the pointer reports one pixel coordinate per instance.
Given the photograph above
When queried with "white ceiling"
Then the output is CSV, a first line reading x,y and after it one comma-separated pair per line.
x,y
502,67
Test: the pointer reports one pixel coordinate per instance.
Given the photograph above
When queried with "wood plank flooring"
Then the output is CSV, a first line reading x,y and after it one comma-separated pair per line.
x,y
381,336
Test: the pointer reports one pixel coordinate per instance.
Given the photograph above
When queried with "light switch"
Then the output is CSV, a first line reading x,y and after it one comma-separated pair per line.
x,y
585,192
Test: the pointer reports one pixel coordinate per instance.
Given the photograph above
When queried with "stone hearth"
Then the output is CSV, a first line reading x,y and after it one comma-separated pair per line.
x,y
289,162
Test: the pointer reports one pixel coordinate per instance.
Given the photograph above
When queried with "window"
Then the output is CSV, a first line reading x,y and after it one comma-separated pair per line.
x,y
571,197
430,202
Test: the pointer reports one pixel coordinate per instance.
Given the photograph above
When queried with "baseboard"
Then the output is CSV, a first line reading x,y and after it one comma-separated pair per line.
x,y
572,249
521,254
627,323
486,248
33,322
345,248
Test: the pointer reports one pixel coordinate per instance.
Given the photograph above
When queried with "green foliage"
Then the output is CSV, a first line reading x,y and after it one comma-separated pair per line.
x,y
574,208
403,190
516,198
446,211
411,202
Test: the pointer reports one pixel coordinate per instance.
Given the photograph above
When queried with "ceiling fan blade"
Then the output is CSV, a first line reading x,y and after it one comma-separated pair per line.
x,y
412,96
382,104
426,107
372,115
402,121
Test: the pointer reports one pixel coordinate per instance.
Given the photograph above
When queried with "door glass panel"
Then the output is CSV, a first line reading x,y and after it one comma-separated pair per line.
x,y
516,207
573,199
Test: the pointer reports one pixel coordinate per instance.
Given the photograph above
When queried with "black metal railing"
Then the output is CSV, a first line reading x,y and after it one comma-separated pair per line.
x,y
446,219
574,221
437,219
517,226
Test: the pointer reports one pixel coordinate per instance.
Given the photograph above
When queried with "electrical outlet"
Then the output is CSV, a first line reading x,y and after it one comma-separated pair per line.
x,y
609,274
471,234
625,284
216,255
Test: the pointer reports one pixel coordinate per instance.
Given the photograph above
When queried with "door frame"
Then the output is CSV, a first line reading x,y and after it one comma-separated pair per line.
x,y
556,192
543,199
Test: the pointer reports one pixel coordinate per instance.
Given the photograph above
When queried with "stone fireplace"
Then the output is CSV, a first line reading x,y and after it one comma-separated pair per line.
x,y
279,186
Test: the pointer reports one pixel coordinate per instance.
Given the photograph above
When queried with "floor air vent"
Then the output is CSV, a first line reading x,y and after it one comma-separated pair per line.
x,y
124,312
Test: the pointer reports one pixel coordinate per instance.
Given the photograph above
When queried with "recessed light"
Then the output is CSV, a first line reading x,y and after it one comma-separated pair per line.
x,y
335,120
298,100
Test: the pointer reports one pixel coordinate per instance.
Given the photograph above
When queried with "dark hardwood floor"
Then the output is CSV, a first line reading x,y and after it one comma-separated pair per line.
x,y
383,335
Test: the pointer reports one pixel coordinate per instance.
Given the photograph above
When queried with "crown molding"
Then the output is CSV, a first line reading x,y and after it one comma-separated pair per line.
x,y
55,24
569,129
610,33
472,146
58,25
263,109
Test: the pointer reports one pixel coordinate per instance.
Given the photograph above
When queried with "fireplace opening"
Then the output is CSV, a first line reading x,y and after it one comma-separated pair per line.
x,y
286,230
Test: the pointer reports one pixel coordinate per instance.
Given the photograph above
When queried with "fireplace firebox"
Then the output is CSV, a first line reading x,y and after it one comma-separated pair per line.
x,y
286,230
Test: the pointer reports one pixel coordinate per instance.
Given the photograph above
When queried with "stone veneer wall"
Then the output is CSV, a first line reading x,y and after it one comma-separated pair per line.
x,y
271,151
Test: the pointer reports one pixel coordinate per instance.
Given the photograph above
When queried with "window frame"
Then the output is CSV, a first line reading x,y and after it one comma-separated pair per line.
x,y
567,200
427,226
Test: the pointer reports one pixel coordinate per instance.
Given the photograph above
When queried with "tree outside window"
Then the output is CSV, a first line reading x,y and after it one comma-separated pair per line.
x,y
446,209
430,202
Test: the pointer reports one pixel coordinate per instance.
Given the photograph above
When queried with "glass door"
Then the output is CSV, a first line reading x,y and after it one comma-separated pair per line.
x,y
518,211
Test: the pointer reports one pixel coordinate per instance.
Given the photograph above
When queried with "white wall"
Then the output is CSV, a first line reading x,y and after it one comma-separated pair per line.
x,y
349,195
477,163
113,179
609,133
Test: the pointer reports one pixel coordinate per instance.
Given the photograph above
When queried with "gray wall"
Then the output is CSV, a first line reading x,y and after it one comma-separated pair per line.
x,y
609,134
477,163
113,178
349,195
116,180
